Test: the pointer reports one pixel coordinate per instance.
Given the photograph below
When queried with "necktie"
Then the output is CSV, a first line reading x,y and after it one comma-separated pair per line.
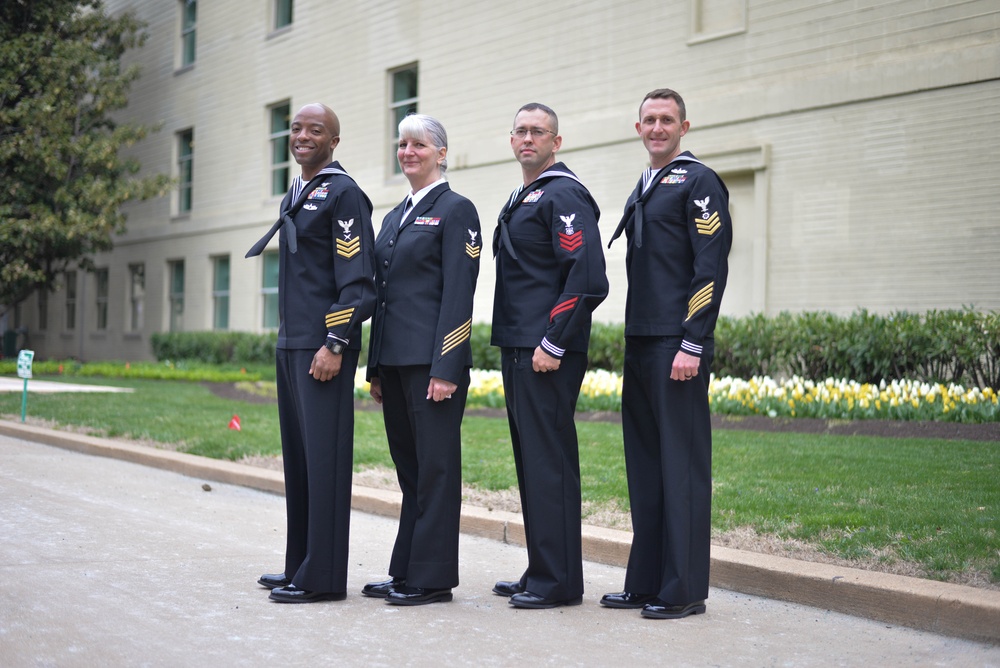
x,y
504,220
289,224
406,210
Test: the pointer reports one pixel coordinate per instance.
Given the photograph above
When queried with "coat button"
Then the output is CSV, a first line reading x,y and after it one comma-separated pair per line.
x,y
383,284
386,263
391,242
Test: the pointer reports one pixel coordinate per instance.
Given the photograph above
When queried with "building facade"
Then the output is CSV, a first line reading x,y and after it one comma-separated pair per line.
x,y
859,140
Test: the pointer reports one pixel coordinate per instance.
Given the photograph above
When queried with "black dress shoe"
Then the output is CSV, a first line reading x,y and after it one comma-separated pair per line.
x,y
660,610
508,587
381,589
271,581
528,600
403,595
626,599
292,594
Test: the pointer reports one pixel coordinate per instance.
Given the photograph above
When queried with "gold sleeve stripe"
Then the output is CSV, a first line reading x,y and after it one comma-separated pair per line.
x,y
472,251
700,300
708,226
339,318
350,248
457,337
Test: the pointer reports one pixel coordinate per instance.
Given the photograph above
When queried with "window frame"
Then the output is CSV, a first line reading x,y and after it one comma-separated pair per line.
x,y
279,8
136,296
69,316
408,105
221,295
102,287
188,33
269,293
175,298
274,140
185,171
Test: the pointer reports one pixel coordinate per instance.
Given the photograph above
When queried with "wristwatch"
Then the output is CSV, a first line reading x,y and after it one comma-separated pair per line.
x,y
334,346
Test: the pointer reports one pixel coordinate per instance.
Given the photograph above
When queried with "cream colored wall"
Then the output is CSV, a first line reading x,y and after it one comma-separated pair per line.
x,y
859,138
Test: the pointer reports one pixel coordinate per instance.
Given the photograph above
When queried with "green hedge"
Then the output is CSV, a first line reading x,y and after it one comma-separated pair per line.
x,y
952,346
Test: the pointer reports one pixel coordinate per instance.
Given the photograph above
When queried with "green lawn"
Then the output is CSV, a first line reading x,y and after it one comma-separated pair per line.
x,y
933,503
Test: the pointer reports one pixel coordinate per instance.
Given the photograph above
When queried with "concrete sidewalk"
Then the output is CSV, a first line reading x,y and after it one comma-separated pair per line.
x,y
110,562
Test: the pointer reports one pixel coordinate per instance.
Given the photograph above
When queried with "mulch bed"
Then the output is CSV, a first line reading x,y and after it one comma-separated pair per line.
x,y
989,432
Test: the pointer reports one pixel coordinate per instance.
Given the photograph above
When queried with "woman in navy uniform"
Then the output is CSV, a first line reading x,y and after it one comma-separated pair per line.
x,y
426,266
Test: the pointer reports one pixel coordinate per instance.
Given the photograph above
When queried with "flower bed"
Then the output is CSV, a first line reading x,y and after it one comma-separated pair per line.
x,y
795,397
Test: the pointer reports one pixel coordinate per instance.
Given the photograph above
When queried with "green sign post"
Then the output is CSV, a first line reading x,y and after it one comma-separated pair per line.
x,y
24,359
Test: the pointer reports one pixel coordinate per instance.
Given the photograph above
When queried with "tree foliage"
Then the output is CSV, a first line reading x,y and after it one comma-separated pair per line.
x,y
62,173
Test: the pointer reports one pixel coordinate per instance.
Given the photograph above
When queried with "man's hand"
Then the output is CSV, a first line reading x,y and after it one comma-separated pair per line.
x,y
375,389
542,362
325,365
439,389
685,366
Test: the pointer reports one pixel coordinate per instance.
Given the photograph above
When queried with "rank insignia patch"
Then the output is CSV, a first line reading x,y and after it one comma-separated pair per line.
x,y
426,220
472,248
570,239
319,193
348,247
533,197
708,226
709,222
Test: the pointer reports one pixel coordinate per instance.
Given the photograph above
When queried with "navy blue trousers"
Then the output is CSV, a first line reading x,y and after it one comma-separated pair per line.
x,y
317,446
540,410
425,441
667,432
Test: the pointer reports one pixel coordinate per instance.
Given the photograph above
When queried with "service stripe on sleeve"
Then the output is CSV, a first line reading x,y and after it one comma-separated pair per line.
x,y
700,300
339,318
567,305
456,337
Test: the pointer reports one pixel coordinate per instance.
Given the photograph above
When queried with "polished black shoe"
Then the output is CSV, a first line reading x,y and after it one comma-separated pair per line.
x,y
660,610
528,600
382,589
627,599
508,587
272,580
292,594
403,595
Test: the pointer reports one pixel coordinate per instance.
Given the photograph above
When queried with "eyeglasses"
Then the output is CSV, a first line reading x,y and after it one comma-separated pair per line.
x,y
537,133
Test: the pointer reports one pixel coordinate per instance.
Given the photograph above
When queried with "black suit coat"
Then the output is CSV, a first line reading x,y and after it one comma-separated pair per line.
x,y
425,280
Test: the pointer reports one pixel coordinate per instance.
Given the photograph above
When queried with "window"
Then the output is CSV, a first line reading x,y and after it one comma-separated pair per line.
x,y
136,296
269,290
403,85
101,278
220,292
282,13
43,309
189,18
280,134
185,169
176,295
70,300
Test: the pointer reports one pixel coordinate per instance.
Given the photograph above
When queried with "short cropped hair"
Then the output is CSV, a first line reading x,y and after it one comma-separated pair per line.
x,y
665,94
534,106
